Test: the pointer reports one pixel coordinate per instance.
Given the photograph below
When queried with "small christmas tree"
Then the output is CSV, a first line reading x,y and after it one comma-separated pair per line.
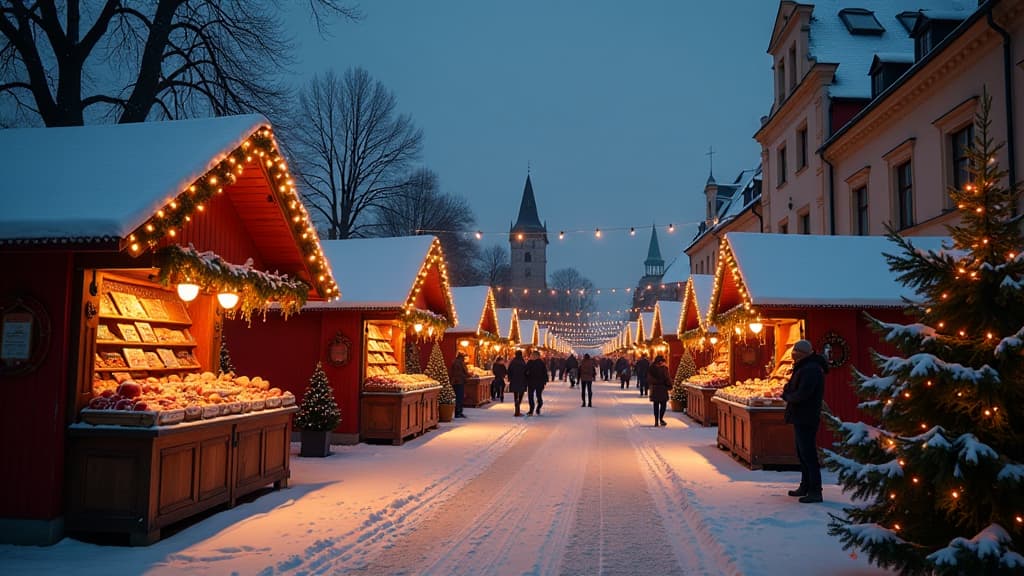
x,y
938,483
687,368
318,411
412,357
437,370
226,366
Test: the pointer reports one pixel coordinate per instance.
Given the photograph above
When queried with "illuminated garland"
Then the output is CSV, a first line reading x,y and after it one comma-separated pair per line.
x,y
432,325
255,289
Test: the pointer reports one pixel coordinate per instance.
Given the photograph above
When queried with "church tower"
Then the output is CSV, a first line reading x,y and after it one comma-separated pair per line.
x,y
528,242
650,289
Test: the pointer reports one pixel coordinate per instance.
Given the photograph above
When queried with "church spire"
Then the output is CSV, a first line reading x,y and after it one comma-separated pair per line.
x,y
654,265
528,220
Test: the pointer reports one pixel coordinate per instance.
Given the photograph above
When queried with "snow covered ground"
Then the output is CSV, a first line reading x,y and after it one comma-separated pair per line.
x,y
574,491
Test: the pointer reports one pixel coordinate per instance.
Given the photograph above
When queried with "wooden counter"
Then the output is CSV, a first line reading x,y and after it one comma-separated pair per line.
x,y
136,480
478,391
757,435
698,404
396,416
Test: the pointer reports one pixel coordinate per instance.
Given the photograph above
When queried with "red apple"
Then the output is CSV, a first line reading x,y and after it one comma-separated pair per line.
x,y
124,404
140,406
129,389
107,393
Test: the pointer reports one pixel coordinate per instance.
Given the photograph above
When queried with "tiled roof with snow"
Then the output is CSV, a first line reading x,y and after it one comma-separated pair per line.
x,y
376,272
670,311
826,270
470,302
104,181
832,43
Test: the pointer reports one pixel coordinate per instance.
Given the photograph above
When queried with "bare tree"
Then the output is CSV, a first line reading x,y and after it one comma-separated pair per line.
x,y
420,207
351,149
574,292
134,61
493,264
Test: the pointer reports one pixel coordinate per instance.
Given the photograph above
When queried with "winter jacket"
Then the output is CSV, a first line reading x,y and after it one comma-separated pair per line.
x,y
621,365
458,372
571,363
588,370
658,383
641,367
499,371
536,373
517,375
804,391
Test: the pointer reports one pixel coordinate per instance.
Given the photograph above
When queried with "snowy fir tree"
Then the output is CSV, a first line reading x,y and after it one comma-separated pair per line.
x,y
437,370
318,411
226,366
687,368
412,357
938,481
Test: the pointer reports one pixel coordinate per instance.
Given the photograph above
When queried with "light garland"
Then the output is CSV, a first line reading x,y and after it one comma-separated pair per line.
x,y
412,315
597,232
582,291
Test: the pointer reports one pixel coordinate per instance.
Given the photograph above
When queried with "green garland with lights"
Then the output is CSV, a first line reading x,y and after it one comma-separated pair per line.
x,y
255,289
428,320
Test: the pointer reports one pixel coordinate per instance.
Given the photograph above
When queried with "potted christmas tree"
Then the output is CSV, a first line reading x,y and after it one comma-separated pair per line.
x,y
318,416
687,368
446,398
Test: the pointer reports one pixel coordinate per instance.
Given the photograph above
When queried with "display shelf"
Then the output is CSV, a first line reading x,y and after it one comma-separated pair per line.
x,y
180,323
164,370
130,344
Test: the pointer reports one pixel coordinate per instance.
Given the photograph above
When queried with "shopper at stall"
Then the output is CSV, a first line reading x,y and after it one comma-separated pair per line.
x,y
517,380
459,374
803,394
536,378
498,384
588,373
572,367
641,367
659,382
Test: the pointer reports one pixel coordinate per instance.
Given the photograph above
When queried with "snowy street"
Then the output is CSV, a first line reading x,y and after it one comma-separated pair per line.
x,y
574,491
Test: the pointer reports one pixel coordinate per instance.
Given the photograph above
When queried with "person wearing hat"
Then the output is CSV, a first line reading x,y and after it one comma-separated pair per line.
x,y
658,383
803,395
587,373
459,375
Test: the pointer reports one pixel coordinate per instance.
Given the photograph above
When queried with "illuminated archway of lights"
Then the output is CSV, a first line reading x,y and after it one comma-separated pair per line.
x,y
596,233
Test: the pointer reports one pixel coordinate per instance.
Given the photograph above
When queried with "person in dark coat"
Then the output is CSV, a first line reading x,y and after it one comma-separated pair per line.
x,y
606,368
553,365
660,383
459,374
641,367
536,378
498,384
517,379
588,372
572,367
803,395
622,370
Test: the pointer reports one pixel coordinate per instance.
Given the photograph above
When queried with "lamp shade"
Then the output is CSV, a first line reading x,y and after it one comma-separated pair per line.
x,y
227,299
188,291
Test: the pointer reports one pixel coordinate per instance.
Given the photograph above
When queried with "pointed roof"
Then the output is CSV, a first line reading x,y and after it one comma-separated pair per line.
x,y
696,300
669,312
528,220
508,324
528,332
474,307
654,251
648,326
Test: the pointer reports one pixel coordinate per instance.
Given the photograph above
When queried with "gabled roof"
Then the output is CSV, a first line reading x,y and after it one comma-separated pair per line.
x,y
632,331
528,220
508,324
405,272
696,299
668,313
543,336
840,271
475,308
648,332
528,335
678,270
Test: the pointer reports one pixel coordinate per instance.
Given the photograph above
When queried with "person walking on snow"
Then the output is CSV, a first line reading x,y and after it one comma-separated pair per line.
x,y
803,395
536,378
498,384
459,375
641,367
588,373
660,383
517,380
572,367
622,370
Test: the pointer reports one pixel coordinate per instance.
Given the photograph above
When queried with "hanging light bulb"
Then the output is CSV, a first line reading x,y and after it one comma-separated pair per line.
x,y
227,299
417,327
479,234
188,291
756,327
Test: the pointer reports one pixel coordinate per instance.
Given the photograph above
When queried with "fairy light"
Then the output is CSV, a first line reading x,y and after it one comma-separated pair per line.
x,y
561,235
597,233
896,527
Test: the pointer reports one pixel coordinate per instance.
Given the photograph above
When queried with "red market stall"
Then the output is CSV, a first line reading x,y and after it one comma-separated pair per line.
x,y
476,335
395,293
709,351
667,314
766,309
508,328
127,249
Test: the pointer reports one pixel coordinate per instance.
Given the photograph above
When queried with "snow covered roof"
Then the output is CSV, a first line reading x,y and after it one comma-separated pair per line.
x,y
385,273
104,181
508,323
471,307
669,312
840,271
678,270
696,301
832,43
528,333
743,193
648,319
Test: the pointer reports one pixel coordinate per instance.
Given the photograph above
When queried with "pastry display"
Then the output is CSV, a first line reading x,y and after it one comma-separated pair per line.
x,y
714,375
398,383
755,392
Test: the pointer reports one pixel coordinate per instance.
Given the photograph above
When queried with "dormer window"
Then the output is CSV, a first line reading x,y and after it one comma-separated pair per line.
x,y
886,69
908,20
861,22
930,30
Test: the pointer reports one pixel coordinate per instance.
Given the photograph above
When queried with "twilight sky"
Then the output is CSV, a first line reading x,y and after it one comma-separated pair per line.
x,y
612,105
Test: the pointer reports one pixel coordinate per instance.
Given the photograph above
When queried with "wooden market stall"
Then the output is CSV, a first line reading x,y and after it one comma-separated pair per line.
x,y
476,335
396,293
508,329
709,350
529,339
822,301
667,313
128,247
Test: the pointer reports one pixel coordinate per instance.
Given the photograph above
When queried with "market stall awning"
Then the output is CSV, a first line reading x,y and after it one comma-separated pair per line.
x,y
696,299
668,312
476,311
508,324
136,188
797,270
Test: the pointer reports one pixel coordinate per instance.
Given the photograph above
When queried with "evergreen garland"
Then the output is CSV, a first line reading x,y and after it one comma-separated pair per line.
x,y
938,483
318,411
412,357
687,368
437,370
226,366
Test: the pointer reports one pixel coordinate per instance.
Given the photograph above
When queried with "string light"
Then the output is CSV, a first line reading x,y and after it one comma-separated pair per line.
x,y
597,233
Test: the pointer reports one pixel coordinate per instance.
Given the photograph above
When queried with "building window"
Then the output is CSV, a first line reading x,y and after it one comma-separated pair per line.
x,y
527,257
959,142
860,211
780,79
861,22
801,148
782,165
905,195
803,224
792,67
